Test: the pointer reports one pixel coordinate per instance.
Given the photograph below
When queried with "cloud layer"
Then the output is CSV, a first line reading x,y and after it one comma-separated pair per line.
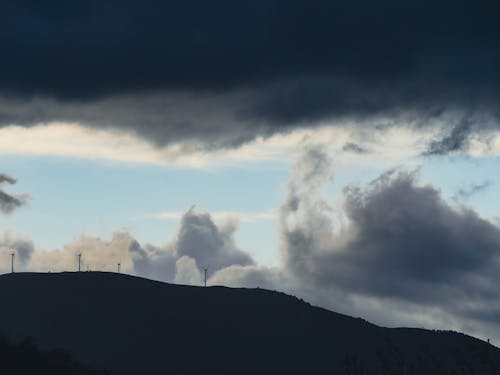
x,y
220,74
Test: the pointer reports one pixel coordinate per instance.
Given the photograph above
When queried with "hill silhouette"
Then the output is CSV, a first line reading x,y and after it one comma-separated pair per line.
x,y
131,325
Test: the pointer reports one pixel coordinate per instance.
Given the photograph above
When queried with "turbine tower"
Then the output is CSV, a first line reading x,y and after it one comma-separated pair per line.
x,y
205,277
12,262
118,267
79,262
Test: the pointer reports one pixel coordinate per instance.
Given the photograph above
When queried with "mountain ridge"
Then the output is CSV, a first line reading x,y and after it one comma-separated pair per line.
x,y
133,325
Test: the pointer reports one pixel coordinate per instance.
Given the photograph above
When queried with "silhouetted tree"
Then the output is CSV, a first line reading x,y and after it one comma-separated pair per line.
x,y
25,358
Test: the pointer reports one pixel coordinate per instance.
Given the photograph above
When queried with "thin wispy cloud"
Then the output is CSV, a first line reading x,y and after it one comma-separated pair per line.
x,y
248,217
470,190
10,202
72,140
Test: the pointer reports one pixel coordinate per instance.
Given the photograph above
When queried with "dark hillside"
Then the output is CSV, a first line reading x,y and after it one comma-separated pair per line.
x,y
134,326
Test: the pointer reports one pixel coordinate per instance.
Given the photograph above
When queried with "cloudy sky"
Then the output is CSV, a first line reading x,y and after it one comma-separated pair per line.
x,y
344,152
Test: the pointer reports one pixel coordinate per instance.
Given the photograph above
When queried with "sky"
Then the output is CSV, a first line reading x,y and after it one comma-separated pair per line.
x,y
346,153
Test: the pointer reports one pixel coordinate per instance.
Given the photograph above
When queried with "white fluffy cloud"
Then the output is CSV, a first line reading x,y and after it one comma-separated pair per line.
x,y
199,244
187,271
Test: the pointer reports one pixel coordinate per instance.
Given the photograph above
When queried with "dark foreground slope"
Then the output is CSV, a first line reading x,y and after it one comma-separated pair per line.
x,y
24,358
133,325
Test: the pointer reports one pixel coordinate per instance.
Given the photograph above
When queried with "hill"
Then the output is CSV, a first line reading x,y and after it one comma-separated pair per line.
x,y
131,325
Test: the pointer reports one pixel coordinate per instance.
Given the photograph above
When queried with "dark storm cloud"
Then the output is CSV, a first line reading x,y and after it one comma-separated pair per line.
x,y
182,70
8,202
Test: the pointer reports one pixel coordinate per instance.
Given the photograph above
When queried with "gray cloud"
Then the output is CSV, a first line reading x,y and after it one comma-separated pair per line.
x,y
185,71
302,210
406,242
187,271
6,178
8,202
22,247
394,243
199,120
470,190
456,140
208,120
211,246
199,244
354,148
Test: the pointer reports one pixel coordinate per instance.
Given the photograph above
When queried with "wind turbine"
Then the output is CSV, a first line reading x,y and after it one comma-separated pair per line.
x,y
79,262
12,262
